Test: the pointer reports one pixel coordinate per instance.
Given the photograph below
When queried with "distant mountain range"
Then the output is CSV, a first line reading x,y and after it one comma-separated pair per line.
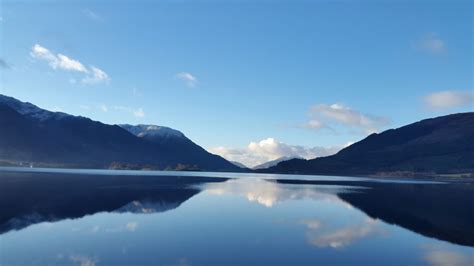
x,y
442,145
31,135
274,162
241,165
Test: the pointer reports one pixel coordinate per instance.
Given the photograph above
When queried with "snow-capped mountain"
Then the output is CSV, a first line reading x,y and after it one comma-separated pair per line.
x,y
31,135
30,110
152,131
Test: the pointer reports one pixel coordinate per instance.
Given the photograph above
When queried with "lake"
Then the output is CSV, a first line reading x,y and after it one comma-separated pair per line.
x,y
96,217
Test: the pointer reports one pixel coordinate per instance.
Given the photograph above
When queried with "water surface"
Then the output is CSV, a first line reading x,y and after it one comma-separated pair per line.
x,y
174,218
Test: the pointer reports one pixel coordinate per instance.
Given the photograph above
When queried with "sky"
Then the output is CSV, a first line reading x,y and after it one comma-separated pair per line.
x,y
249,80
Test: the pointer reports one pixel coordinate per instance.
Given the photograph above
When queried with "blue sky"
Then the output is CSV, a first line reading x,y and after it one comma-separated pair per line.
x,y
251,81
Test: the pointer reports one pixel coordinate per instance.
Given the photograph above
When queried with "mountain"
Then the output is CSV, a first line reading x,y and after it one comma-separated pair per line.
x,y
275,162
441,145
154,133
36,136
178,147
241,165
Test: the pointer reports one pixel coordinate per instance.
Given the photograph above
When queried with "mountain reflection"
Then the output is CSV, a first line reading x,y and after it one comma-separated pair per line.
x,y
30,198
438,210
442,211
268,193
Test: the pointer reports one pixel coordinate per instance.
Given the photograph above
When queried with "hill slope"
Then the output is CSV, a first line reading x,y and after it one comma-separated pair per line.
x,y
32,135
178,147
274,162
442,145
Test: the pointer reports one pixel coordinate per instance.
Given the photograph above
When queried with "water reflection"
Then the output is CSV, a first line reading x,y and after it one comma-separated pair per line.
x,y
442,256
27,199
324,235
79,260
269,192
442,211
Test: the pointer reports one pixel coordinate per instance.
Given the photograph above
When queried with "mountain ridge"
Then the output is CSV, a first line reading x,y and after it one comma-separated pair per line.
x,y
33,135
440,145
275,162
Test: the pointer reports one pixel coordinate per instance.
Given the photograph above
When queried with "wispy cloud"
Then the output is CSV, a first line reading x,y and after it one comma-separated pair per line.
x,y
449,99
188,78
63,62
92,14
270,149
137,112
136,92
96,75
104,108
430,43
335,115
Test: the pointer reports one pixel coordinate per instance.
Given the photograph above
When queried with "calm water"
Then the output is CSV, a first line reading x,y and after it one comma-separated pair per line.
x,y
135,218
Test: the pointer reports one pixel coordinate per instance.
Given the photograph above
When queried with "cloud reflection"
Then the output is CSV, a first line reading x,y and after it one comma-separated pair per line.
x,y
324,236
439,256
268,193
83,260
132,226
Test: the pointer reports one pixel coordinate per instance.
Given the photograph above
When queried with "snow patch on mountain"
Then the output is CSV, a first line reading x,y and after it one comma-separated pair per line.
x,y
152,131
30,110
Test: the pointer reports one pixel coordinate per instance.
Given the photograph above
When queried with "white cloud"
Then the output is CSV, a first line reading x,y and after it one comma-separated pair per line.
x,y
58,61
63,62
330,116
67,63
270,149
449,99
96,75
40,52
430,43
190,80
138,112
